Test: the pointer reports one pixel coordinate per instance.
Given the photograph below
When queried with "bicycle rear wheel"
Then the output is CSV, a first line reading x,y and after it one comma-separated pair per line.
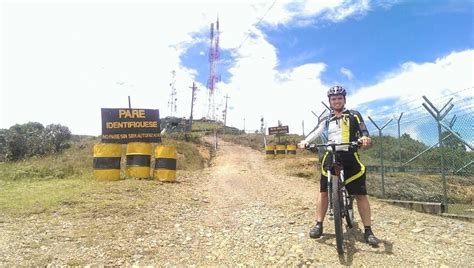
x,y
337,206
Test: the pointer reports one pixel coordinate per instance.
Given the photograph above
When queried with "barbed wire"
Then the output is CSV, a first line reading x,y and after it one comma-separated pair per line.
x,y
438,99
438,102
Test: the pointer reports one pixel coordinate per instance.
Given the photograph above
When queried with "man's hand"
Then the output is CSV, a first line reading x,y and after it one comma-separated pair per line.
x,y
302,144
366,141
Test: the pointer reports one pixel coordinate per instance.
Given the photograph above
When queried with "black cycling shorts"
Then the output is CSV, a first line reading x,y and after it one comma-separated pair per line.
x,y
354,172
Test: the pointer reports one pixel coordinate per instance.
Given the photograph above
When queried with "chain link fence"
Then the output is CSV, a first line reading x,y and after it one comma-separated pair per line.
x,y
424,154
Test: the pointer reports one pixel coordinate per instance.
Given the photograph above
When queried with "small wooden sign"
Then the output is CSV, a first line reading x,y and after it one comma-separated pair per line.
x,y
278,130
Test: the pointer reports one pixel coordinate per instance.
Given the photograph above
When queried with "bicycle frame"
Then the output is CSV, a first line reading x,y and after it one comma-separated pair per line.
x,y
339,173
335,168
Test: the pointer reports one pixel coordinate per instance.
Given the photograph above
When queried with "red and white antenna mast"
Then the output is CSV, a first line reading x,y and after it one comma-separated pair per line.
x,y
214,55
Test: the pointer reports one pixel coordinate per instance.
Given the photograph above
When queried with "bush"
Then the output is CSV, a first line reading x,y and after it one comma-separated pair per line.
x,y
32,139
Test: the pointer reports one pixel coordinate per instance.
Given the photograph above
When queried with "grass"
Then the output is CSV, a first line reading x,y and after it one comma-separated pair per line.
x,y
33,197
40,185
205,126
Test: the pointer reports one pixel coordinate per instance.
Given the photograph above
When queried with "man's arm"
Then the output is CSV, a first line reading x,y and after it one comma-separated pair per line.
x,y
363,131
312,136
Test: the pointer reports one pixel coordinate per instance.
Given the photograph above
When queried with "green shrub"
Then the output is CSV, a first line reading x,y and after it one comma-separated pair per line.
x,y
32,139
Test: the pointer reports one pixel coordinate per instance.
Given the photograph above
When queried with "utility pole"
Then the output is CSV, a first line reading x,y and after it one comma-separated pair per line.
x,y
262,129
225,114
193,98
129,103
302,123
244,125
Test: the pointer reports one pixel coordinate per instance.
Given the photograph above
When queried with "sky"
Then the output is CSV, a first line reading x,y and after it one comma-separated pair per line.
x,y
61,61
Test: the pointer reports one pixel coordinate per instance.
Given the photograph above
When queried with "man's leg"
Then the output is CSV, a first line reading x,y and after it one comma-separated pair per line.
x,y
321,208
364,211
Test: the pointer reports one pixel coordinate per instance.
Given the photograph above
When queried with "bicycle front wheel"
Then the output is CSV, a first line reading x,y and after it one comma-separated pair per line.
x,y
349,211
337,206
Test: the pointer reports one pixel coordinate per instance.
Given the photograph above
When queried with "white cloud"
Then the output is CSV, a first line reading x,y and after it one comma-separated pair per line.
x,y
445,78
347,9
65,64
411,81
347,73
301,13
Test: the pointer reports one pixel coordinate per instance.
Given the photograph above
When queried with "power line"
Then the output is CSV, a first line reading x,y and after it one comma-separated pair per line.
x,y
256,24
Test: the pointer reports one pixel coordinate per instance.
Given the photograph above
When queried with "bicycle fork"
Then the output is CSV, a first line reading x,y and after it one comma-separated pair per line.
x,y
331,212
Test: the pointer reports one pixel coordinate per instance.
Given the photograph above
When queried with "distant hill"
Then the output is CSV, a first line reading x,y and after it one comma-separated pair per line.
x,y
176,125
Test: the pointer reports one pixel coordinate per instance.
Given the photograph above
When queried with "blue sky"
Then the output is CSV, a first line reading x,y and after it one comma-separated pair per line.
x,y
383,39
278,58
369,45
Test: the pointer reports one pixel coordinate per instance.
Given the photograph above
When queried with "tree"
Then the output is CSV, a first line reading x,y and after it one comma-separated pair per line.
x,y
16,143
32,139
58,137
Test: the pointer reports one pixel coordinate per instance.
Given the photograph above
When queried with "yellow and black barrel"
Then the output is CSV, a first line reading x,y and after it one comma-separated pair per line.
x,y
106,161
270,151
291,150
280,151
138,159
165,163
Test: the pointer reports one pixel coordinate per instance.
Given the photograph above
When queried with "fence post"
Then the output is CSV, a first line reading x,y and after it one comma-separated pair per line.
x,y
438,116
319,117
382,182
319,121
399,141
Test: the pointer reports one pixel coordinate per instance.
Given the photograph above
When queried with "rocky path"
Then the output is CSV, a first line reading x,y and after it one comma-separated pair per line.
x,y
241,210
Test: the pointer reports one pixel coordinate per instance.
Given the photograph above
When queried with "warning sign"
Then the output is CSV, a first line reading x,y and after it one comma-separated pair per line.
x,y
128,125
278,130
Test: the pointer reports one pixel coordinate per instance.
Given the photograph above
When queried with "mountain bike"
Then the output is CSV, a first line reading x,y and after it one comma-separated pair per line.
x,y
340,203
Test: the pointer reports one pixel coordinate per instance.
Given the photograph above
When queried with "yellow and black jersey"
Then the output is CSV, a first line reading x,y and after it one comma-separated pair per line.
x,y
348,127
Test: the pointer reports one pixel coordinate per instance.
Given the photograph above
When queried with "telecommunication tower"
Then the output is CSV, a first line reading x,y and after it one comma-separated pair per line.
x,y
214,55
173,96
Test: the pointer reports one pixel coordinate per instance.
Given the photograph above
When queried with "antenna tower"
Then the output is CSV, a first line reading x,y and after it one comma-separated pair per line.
x,y
214,55
173,96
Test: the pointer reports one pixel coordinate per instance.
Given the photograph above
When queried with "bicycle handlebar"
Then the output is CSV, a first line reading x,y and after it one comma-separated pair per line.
x,y
352,144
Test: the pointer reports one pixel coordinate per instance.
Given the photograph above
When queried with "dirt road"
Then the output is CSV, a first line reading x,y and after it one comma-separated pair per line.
x,y
240,210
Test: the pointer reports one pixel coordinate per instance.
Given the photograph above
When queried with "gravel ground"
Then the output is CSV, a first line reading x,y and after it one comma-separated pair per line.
x,y
242,210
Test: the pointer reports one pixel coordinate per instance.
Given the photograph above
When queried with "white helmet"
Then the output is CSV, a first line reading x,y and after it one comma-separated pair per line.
x,y
336,90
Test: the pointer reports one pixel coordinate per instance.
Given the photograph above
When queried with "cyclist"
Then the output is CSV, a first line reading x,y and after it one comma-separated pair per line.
x,y
343,126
